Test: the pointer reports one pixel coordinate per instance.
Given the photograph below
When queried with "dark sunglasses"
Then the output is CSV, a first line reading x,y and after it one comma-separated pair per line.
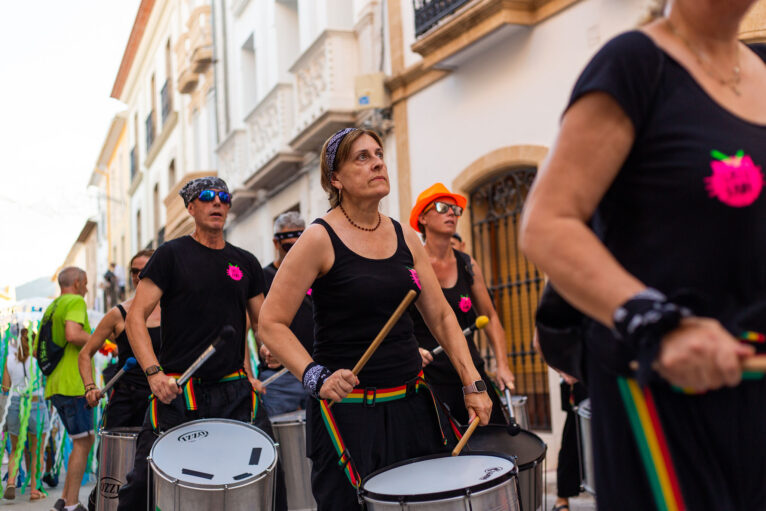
x,y
135,271
286,246
209,196
443,207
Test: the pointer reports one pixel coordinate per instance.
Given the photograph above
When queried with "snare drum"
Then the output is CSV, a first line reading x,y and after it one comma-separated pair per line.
x,y
118,451
213,464
290,434
441,482
529,451
586,446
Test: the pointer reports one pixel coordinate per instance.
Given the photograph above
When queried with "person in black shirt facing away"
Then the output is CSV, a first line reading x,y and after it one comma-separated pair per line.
x,y
202,283
360,265
648,216
286,393
435,214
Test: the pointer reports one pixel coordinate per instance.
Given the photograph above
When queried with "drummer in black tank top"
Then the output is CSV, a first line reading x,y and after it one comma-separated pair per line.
x,y
360,265
435,214
129,398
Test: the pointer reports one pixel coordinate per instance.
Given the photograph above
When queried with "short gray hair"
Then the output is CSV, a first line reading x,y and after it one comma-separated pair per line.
x,y
69,275
290,219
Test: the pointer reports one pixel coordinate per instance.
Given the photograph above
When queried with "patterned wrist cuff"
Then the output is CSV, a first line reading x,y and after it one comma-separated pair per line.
x,y
313,377
642,321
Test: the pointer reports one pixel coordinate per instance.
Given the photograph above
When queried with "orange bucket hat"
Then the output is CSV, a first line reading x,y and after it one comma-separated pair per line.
x,y
429,195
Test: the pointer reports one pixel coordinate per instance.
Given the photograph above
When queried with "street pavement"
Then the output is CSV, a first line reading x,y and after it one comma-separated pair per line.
x,y
22,502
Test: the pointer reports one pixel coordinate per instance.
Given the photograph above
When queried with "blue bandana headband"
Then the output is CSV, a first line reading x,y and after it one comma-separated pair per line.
x,y
332,147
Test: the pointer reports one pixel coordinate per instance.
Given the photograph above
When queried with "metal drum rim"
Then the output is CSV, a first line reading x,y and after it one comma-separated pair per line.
x,y
244,482
120,432
528,464
288,423
425,497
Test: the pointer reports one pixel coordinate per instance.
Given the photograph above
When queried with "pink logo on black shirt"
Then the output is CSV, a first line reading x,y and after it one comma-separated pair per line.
x,y
736,180
234,272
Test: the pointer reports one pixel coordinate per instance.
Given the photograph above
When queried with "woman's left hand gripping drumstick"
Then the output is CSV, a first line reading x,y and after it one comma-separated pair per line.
x,y
338,385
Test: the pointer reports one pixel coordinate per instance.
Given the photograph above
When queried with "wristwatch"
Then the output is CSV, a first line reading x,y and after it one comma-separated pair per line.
x,y
152,370
475,388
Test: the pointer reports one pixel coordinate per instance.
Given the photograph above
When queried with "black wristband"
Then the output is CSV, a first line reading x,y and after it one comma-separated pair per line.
x,y
642,321
314,377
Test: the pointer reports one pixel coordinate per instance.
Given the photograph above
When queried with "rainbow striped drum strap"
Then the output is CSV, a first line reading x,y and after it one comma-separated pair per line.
x,y
190,397
370,397
652,445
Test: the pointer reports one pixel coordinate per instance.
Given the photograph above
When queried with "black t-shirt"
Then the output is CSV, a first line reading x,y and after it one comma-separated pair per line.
x,y
686,212
202,290
460,299
303,322
353,301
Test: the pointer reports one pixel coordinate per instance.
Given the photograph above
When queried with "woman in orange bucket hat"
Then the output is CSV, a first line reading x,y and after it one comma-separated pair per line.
x,y
435,215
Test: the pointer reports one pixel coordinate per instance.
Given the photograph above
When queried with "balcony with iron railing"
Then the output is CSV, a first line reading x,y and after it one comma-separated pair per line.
x,y
150,126
445,28
166,100
429,12
324,88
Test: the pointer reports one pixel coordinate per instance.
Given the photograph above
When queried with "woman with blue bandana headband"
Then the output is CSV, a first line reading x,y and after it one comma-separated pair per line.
x,y
360,264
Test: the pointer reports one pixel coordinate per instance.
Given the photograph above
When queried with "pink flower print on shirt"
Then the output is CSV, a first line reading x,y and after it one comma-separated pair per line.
x,y
414,275
736,180
308,292
465,303
234,272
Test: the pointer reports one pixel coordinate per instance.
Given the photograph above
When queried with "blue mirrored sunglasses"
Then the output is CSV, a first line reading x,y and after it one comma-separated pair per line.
x,y
209,196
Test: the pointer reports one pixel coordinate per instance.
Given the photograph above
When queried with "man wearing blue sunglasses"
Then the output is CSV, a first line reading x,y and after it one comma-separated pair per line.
x,y
202,283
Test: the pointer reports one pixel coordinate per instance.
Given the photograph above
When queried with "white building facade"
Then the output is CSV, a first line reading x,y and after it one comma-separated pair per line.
x,y
165,80
286,73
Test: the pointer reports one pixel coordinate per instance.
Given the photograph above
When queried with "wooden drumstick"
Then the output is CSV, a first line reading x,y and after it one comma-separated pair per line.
x,y
411,294
408,298
466,436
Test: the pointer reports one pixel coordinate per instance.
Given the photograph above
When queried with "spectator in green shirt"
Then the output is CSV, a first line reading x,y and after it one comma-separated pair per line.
x,y
71,330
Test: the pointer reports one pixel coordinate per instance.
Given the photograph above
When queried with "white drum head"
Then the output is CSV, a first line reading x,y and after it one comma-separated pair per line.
x,y
213,452
289,417
442,475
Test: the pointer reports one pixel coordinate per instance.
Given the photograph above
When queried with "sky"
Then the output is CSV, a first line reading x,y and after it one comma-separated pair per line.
x,y
60,59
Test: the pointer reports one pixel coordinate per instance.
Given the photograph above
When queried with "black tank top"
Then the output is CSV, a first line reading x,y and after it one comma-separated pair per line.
x,y
460,299
353,301
135,375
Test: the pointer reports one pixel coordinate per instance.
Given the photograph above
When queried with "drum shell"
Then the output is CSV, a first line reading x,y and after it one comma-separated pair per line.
x,y
502,497
290,434
586,446
520,411
171,494
117,454
529,450
174,495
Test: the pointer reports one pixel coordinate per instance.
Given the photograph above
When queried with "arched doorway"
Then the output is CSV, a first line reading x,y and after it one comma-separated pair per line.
x,y
497,186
